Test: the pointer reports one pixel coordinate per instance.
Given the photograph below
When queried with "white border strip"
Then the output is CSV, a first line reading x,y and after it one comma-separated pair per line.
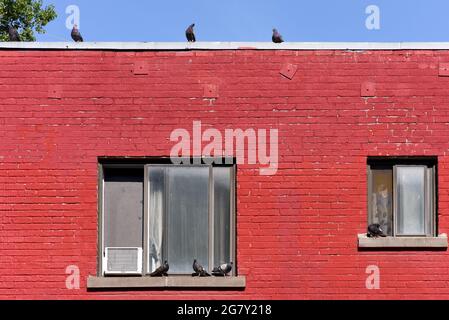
x,y
178,46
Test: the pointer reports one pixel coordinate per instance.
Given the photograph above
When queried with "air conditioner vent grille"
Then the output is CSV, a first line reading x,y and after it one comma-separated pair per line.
x,y
123,260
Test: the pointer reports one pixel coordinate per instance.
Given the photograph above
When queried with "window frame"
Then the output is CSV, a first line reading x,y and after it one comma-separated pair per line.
x,y
146,189
430,191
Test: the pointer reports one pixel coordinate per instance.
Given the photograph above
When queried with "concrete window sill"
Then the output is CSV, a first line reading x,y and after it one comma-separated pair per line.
x,y
238,282
402,242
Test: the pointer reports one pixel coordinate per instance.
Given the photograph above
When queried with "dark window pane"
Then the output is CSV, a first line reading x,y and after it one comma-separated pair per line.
x,y
381,199
411,200
222,211
123,207
187,217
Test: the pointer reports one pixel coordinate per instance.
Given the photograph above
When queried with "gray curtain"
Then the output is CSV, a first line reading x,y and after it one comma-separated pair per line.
x,y
222,209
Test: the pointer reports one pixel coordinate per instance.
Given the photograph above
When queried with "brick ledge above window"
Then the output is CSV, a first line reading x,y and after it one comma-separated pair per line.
x,y
94,282
402,242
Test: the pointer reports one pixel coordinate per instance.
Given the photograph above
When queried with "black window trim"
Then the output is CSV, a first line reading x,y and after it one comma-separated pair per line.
x,y
145,164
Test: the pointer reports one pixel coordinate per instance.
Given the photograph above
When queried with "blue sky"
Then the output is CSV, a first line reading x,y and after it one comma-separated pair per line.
x,y
252,20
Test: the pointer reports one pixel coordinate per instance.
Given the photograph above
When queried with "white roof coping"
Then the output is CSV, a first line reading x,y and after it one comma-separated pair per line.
x,y
180,46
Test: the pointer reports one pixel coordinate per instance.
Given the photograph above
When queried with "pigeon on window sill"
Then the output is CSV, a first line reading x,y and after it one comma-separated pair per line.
x,y
375,231
161,271
199,270
222,270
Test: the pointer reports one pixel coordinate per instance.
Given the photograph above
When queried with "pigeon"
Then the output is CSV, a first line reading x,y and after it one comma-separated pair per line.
x,y
76,35
217,272
13,34
190,35
161,271
277,38
374,230
195,266
199,270
226,267
203,273
222,270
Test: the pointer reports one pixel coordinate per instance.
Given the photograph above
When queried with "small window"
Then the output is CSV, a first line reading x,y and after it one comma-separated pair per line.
x,y
401,196
156,212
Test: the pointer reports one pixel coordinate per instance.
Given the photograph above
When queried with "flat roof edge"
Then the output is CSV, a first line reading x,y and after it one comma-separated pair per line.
x,y
180,46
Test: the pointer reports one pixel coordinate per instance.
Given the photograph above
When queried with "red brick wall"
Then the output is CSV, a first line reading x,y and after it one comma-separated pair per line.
x,y
297,230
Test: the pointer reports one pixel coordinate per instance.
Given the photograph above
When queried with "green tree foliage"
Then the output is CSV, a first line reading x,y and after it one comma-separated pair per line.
x,y
28,17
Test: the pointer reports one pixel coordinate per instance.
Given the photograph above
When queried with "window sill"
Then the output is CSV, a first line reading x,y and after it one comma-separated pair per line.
x,y
94,282
402,242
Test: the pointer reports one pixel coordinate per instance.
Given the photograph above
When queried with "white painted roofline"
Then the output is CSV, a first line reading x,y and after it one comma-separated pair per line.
x,y
178,46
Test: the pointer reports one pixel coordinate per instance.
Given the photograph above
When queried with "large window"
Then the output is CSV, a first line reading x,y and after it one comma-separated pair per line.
x,y
402,195
156,212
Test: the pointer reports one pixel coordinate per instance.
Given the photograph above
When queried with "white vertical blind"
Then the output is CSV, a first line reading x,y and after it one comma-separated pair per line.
x,y
411,200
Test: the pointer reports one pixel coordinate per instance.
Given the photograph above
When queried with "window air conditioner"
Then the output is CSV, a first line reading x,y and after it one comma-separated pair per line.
x,y
122,260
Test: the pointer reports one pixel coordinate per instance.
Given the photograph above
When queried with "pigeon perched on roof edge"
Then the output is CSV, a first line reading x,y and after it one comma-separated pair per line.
x,y
276,38
190,34
13,34
76,35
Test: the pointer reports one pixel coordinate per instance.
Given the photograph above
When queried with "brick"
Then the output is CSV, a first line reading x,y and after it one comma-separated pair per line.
x,y
368,89
61,110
